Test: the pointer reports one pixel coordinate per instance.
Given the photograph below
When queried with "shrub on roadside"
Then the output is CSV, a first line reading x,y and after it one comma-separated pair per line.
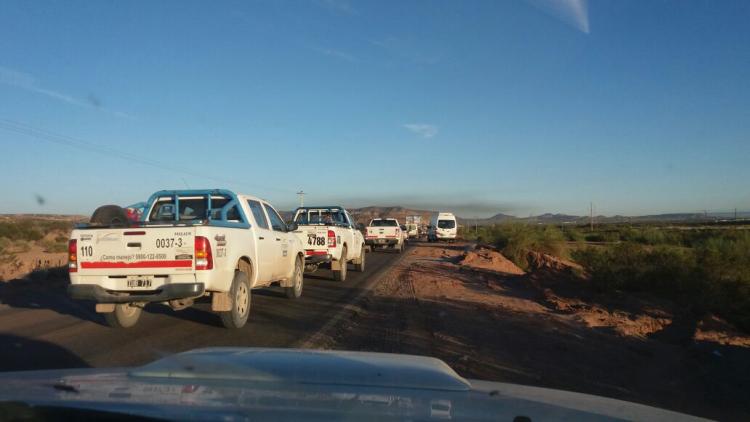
x,y
515,240
54,246
712,276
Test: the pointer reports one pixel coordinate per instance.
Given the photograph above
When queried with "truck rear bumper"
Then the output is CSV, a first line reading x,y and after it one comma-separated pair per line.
x,y
163,294
318,258
381,242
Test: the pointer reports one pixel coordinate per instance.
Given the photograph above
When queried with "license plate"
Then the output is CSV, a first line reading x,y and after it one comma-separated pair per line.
x,y
381,240
139,282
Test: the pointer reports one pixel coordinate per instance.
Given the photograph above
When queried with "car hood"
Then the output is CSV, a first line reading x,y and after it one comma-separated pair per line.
x,y
289,384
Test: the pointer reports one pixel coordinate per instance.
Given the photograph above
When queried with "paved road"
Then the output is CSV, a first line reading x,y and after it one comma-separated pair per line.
x,y
41,328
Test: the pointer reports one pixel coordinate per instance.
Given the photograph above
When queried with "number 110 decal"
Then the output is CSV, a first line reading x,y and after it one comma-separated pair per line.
x,y
87,250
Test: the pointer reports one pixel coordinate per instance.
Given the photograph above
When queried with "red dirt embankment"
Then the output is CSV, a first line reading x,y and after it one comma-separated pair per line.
x,y
547,327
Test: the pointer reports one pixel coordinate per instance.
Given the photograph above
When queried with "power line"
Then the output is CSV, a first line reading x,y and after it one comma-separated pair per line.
x,y
48,136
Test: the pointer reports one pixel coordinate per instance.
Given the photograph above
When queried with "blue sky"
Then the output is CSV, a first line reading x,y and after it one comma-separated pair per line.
x,y
521,107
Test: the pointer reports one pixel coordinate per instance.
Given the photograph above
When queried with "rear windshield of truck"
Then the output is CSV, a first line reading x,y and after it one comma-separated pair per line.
x,y
446,224
320,217
192,208
383,223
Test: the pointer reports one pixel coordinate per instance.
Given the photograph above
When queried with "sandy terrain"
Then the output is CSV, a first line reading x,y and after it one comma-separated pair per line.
x,y
489,320
20,264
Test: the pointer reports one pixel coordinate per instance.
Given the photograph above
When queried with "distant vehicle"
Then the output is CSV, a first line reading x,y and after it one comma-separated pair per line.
x,y
189,244
297,385
443,226
330,236
404,233
384,233
412,225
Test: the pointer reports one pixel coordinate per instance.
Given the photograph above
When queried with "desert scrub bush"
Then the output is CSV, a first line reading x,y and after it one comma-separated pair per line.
x,y
20,230
54,246
515,240
635,267
714,275
573,234
4,244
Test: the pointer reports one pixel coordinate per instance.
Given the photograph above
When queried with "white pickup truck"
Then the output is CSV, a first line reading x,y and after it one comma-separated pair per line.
x,y
385,233
187,244
330,236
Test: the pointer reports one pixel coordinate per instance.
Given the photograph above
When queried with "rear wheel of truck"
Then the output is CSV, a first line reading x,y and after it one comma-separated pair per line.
x,y
240,294
295,291
124,316
340,274
359,264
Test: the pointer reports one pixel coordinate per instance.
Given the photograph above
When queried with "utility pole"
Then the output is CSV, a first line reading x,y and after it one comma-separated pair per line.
x,y
735,214
301,195
591,215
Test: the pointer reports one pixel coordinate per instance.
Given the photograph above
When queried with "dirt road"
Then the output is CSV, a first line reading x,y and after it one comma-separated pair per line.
x,y
489,319
476,310
41,328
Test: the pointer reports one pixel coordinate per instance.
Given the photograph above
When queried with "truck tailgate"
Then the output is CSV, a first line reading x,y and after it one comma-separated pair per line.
x,y
382,232
314,239
146,250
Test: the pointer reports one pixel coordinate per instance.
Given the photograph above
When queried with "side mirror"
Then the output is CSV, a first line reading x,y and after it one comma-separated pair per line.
x,y
360,227
290,227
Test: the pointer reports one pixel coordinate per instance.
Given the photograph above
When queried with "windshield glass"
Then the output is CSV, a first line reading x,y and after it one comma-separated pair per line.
x,y
320,216
384,223
446,224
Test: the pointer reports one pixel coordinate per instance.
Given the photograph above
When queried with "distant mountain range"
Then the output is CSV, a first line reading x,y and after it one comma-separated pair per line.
x,y
364,215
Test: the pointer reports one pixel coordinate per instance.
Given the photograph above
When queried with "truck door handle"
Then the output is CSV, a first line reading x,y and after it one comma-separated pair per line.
x,y
261,237
134,244
278,239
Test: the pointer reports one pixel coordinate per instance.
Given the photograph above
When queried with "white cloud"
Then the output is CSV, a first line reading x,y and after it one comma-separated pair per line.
x,y
572,12
424,130
27,82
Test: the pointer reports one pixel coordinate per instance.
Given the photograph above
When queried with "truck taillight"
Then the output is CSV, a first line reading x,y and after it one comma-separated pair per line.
x,y
72,256
331,239
204,259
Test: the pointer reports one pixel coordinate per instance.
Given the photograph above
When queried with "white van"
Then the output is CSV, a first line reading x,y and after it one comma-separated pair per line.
x,y
443,226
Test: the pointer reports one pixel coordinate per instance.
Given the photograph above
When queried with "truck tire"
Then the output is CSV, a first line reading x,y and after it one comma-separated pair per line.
x,y
295,291
124,316
110,215
241,295
340,275
359,264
